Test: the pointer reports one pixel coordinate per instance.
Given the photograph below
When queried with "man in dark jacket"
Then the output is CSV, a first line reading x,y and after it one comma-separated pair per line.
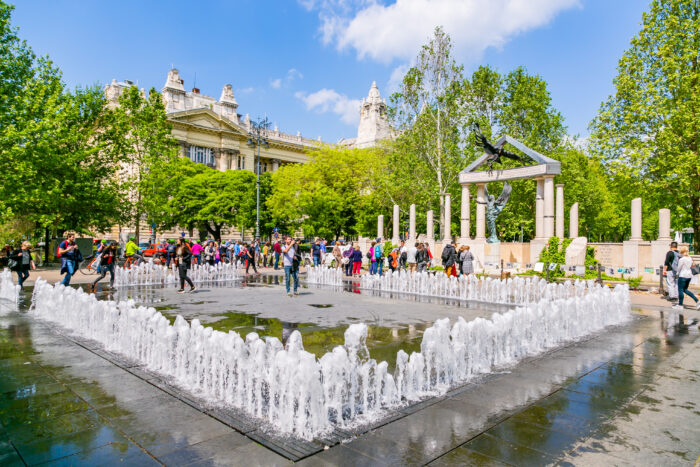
x,y
448,258
670,267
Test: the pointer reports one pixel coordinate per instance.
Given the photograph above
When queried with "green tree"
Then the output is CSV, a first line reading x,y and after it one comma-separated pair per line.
x,y
139,136
324,196
649,131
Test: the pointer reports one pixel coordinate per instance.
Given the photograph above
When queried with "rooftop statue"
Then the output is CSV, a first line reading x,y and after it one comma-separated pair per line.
x,y
494,153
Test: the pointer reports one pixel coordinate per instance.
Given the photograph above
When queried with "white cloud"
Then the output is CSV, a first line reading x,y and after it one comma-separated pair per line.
x,y
291,75
396,78
396,31
246,90
328,100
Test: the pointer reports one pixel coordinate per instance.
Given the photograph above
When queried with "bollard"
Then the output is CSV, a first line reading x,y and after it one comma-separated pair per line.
x,y
600,277
546,265
502,275
661,280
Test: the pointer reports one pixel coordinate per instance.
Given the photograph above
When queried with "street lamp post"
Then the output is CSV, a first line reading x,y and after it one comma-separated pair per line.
x,y
257,138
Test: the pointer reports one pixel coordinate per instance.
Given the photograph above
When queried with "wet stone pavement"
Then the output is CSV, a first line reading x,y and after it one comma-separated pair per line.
x,y
627,396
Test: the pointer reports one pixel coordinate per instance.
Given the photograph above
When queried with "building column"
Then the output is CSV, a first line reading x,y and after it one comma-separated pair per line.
x,y
380,226
665,224
465,213
480,212
430,227
573,221
412,223
275,165
539,209
559,221
636,220
548,207
395,238
447,235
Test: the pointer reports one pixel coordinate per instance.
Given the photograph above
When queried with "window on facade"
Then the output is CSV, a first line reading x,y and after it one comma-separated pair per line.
x,y
201,155
241,162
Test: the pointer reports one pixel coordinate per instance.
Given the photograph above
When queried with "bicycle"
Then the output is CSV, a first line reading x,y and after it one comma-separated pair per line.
x,y
89,265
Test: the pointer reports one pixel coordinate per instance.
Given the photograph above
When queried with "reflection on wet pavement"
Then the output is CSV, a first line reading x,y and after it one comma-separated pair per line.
x,y
626,396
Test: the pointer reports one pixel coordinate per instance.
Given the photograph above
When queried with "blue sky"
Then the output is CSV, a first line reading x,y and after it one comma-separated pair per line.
x,y
305,63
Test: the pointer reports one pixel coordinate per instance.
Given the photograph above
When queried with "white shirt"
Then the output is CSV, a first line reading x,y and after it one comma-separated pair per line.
x,y
684,265
411,254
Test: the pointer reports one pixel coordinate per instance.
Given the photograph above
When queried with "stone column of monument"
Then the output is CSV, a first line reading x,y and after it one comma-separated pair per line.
x,y
480,212
539,209
636,220
380,226
412,223
664,225
559,221
430,228
447,236
573,221
395,237
465,213
548,207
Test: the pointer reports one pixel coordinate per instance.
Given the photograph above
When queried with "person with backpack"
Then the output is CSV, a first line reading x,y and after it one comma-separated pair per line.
x,y
448,258
70,257
108,257
197,252
21,261
372,259
378,255
422,258
394,260
290,263
250,258
685,275
403,255
347,260
670,271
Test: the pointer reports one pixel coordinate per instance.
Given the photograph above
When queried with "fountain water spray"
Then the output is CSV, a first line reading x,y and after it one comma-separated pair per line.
x,y
306,397
153,274
8,290
325,276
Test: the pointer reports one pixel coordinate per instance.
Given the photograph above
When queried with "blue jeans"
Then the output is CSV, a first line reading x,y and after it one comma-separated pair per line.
x,y
70,265
683,283
317,260
373,267
295,274
277,260
22,276
380,266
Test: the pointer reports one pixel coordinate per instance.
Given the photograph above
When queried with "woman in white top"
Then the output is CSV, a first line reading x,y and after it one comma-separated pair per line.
x,y
684,277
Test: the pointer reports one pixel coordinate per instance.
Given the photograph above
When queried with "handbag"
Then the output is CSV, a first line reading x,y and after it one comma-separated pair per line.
x,y
695,269
12,263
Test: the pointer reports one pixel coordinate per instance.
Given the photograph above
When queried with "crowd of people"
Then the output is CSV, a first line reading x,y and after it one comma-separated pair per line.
x,y
679,271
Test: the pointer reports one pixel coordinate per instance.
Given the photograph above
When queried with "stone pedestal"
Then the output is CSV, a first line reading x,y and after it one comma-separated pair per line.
x,y
478,249
636,220
430,226
412,224
465,214
548,207
380,227
395,233
539,209
630,256
536,246
447,235
559,221
492,256
573,221
480,212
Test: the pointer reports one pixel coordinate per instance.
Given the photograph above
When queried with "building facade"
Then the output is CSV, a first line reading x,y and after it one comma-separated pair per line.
x,y
374,122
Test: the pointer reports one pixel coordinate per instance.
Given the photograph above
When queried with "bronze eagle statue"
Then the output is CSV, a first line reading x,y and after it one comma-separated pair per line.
x,y
494,154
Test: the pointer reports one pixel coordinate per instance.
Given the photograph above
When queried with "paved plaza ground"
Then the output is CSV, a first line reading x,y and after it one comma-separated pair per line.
x,y
629,395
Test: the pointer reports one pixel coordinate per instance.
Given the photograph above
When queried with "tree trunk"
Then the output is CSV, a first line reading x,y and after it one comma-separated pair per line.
x,y
47,239
695,221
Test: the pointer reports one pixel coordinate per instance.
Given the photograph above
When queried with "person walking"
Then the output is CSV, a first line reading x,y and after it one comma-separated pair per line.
x,y
670,270
356,260
197,252
24,261
421,258
277,249
403,255
70,257
347,260
466,258
108,257
393,260
210,253
685,275
183,259
372,259
338,255
266,254
289,251
411,260
379,256
426,245
250,259
316,252
448,258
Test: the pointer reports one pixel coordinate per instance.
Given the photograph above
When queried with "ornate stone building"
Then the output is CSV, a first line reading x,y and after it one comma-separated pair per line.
x,y
374,123
212,132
